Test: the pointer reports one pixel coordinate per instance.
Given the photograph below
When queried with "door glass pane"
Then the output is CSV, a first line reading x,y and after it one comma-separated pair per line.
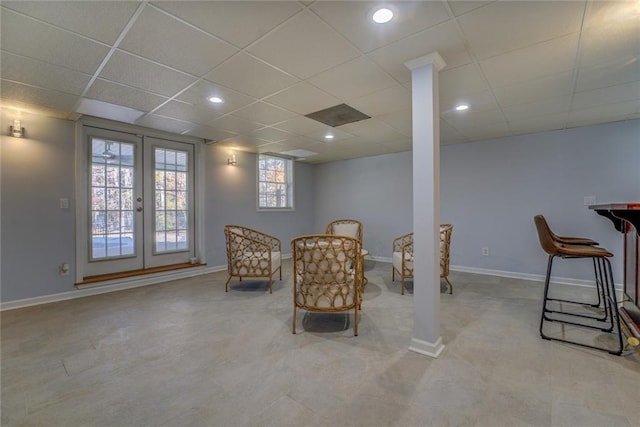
x,y
171,200
112,199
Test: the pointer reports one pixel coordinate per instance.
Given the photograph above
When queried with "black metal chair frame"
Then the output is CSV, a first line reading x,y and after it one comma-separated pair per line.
x,y
607,301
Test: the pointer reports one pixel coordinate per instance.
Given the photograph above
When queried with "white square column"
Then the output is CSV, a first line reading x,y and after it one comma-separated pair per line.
x,y
426,204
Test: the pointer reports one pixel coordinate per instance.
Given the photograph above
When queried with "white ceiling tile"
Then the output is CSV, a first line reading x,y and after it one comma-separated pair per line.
x,y
164,123
199,95
133,71
271,147
27,37
248,75
443,38
270,134
305,32
555,105
476,101
384,101
353,79
264,113
460,7
301,125
338,135
449,135
539,123
99,20
209,133
106,110
613,43
497,130
31,95
461,80
534,90
470,119
188,112
221,18
399,120
608,75
517,24
604,113
354,20
163,39
607,95
606,13
235,124
117,94
42,74
373,130
537,61
303,98
244,142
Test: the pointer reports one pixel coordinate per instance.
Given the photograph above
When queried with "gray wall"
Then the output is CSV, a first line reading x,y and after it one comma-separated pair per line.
x,y
231,199
491,190
375,190
37,236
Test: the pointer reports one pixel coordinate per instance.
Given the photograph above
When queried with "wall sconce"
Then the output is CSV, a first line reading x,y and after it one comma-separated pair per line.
x,y
232,160
17,130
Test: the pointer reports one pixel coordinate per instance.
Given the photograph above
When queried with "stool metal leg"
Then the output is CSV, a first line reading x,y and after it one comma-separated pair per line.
x,y
606,295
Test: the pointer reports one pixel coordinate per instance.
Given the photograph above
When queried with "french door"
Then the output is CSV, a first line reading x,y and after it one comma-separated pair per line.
x,y
140,202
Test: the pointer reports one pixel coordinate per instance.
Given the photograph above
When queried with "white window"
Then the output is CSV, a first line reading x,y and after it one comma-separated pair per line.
x,y
275,183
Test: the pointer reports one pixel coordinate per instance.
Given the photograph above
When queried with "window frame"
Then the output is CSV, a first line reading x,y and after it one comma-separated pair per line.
x,y
290,182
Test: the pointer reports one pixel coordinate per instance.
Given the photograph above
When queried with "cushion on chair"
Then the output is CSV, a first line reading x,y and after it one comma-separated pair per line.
x,y
397,261
350,230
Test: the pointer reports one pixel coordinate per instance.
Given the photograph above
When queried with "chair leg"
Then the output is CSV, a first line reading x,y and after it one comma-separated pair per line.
x,y
545,295
293,323
604,276
355,322
226,285
450,284
393,274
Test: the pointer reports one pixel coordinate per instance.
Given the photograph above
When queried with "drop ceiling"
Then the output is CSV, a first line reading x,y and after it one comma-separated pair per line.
x,y
522,67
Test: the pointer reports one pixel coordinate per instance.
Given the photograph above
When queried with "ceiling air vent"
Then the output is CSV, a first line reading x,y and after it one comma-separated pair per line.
x,y
338,115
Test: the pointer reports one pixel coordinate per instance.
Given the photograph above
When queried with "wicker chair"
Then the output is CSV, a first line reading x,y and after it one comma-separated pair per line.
x,y
402,258
251,253
351,228
326,275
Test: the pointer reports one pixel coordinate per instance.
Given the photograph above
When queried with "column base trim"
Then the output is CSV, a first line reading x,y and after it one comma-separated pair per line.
x,y
427,348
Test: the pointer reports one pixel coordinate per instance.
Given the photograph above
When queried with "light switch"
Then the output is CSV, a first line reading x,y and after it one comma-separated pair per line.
x,y
64,203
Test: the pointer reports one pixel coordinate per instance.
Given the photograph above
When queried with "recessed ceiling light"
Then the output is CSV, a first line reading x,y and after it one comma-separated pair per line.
x,y
216,100
329,136
382,16
462,107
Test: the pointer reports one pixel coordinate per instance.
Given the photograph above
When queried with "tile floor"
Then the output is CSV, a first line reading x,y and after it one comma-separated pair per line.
x,y
186,353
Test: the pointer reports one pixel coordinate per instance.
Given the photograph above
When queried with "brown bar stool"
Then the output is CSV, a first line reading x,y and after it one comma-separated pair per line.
x,y
574,241
610,322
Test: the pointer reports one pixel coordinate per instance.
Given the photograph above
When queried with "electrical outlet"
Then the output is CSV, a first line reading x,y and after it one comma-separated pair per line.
x,y
589,200
64,269
485,251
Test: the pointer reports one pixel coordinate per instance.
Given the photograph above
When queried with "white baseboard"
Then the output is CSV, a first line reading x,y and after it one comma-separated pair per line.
x,y
526,276
427,348
115,285
135,282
